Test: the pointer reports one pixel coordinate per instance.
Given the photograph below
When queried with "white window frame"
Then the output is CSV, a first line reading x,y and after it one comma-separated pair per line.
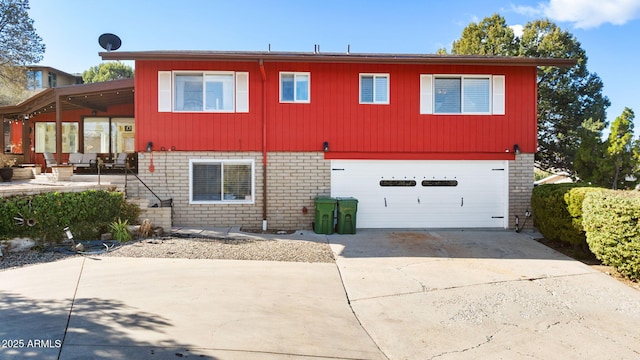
x,y
496,93
167,91
223,162
374,75
295,88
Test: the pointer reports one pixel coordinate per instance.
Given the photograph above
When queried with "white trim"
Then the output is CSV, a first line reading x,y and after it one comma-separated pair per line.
x,y
165,91
426,94
295,75
374,75
498,101
242,92
507,194
223,162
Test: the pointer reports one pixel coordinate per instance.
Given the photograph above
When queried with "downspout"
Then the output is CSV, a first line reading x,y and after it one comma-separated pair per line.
x,y
264,145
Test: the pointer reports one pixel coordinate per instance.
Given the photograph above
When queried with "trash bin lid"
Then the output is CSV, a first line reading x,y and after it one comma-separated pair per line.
x,y
325,200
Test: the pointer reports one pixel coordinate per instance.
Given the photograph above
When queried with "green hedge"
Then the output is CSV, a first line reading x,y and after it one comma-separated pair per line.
x,y
557,212
612,222
88,214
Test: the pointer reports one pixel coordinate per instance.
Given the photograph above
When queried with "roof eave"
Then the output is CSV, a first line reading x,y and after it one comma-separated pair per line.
x,y
335,58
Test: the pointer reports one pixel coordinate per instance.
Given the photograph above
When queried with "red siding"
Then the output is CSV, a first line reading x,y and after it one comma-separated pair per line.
x,y
335,115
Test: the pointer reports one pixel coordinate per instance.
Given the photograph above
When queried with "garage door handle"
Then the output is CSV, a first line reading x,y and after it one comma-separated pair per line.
x,y
462,201
385,202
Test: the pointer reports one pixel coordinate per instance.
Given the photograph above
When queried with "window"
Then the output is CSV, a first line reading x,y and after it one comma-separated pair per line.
x,y
34,79
439,182
470,94
105,135
96,135
295,87
402,183
213,91
204,92
462,95
374,88
221,181
45,137
53,80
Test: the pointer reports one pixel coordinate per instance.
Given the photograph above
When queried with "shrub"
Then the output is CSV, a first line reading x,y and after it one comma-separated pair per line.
x,y
87,213
612,224
120,231
557,212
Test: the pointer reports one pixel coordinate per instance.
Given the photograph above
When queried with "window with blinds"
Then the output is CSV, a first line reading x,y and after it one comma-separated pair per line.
x,y
221,181
374,88
471,94
295,87
203,91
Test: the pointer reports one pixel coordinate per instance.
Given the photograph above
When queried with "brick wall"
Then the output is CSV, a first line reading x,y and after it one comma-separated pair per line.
x,y
159,216
294,180
520,187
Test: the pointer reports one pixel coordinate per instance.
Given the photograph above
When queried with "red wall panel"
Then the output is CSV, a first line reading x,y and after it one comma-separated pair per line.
x,y
335,115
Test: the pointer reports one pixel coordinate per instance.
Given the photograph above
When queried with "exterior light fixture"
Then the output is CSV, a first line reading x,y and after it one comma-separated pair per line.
x,y
516,149
325,146
149,146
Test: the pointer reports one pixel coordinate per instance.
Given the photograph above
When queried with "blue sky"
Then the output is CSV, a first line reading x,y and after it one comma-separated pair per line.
x,y
607,29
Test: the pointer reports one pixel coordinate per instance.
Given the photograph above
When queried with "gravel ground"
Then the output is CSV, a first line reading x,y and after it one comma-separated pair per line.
x,y
187,248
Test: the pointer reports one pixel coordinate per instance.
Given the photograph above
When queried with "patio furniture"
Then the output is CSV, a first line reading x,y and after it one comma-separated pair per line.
x,y
79,160
49,160
119,163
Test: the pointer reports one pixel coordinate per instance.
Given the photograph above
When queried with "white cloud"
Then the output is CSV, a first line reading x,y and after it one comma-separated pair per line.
x,y
585,14
517,30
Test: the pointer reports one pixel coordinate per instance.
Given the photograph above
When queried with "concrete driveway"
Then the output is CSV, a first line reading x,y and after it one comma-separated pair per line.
x,y
409,295
137,308
483,295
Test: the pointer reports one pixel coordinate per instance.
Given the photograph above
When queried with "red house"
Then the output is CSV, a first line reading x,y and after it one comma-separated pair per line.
x,y
422,141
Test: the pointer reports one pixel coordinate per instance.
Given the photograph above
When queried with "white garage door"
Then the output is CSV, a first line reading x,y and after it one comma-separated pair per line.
x,y
424,194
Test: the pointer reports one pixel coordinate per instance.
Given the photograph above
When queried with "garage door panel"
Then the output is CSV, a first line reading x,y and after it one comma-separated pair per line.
x,y
439,193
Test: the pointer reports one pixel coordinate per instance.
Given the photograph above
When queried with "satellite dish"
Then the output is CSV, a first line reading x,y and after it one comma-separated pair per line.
x,y
109,42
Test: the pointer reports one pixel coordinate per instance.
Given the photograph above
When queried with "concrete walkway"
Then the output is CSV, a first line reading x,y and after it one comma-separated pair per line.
x,y
409,295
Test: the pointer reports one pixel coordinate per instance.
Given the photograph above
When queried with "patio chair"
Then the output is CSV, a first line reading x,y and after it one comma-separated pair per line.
x,y
49,160
119,163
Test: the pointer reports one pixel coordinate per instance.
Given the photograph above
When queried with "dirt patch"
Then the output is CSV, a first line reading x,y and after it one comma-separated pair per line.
x,y
588,258
268,231
410,238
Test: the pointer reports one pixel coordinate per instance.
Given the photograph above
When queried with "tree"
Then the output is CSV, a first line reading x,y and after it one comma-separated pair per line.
x,y
20,45
106,72
491,36
620,148
590,162
567,98
607,163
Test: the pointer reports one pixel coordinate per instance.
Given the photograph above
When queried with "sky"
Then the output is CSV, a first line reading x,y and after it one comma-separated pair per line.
x,y
607,29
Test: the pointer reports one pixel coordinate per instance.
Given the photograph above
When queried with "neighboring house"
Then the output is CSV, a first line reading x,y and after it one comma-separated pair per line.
x,y
422,141
87,118
44,77
560,178
38,78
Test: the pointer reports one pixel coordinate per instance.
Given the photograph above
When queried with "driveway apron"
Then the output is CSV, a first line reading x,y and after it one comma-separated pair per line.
x,y
483,294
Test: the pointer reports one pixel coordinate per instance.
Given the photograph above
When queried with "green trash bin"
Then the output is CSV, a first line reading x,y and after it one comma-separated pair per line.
x,y
347,209
325,207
